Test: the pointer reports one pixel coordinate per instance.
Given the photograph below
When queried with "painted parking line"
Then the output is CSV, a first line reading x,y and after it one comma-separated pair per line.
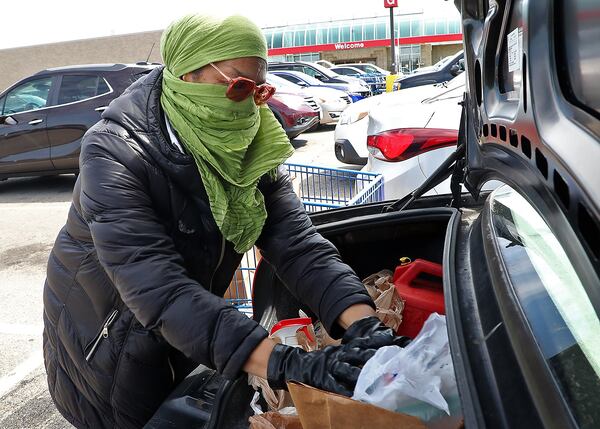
x,y
8,382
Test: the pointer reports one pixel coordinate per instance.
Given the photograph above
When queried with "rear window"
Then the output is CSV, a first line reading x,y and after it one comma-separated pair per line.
x,y
554,299
81,87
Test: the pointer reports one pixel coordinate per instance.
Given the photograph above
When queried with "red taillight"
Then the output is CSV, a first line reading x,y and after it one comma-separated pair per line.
x,y
404,143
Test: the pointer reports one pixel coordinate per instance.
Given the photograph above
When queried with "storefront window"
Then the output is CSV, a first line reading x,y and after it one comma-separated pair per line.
x,y
334,34
416,28
405,29
311,37
288,39
268,39
299,38
277,39
454,27
369,31
409,57
345,34
429,28
322,36
441,27
357,32
381,30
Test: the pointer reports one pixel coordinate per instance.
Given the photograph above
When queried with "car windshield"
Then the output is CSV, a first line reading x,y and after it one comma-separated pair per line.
x,y
309,79
554,299
324,70
279,82
370,69
442,62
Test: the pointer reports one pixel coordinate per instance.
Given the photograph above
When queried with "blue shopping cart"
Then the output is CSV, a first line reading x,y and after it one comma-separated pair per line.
x,y
319,188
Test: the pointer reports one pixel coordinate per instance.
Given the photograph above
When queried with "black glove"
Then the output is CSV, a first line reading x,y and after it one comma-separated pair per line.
x,y
334,368
371,333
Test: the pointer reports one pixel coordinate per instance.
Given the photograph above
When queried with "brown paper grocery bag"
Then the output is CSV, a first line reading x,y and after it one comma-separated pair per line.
x,y
274,420
323,410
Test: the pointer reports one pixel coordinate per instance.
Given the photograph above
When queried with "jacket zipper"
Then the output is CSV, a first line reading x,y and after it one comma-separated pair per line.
x,y
218,263
102,335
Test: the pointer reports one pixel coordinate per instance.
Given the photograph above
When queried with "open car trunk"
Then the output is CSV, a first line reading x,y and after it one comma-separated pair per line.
x,y
368,241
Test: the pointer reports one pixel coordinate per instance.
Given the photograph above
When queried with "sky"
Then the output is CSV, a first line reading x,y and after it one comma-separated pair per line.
x,y
44,21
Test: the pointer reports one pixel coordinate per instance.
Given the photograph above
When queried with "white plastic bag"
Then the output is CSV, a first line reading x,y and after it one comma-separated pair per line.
x,y
417,380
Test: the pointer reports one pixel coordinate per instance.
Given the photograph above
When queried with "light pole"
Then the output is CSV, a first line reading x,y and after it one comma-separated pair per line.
x,y
391,4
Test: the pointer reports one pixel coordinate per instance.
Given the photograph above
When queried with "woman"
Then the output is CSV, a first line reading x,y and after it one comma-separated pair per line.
x,y
177,181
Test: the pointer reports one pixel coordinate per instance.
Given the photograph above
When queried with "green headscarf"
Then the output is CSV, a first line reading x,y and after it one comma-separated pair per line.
x,y
233,143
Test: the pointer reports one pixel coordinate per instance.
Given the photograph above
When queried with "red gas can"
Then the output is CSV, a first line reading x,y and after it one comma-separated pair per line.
x,y
419,283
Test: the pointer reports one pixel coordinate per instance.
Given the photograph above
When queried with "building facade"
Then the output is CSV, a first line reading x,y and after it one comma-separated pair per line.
x,y
421,41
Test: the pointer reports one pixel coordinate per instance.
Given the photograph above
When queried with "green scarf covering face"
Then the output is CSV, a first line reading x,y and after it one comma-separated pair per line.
x,y
233,143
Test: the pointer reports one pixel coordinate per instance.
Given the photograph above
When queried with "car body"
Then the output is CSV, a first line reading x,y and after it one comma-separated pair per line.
x,y
358,88
332,102
521,265
325,63
350,138
447,71
43,117
354,90
433,67
405,166
376,81
295,113
365,67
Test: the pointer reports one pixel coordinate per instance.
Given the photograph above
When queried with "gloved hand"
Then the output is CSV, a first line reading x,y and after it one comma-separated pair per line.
x,y
371,334
334,368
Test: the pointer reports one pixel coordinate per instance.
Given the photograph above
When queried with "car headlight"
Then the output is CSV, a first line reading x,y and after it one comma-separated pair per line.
x,y
352,117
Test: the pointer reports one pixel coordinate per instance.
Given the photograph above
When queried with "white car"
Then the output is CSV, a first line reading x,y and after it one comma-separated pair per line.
x,y
331,101
408,142
351,132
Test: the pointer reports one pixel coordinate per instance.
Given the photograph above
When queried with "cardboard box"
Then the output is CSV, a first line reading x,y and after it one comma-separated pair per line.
x,y
318,409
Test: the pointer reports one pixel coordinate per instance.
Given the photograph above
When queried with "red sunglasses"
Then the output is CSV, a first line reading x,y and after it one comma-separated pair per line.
x,y
241,88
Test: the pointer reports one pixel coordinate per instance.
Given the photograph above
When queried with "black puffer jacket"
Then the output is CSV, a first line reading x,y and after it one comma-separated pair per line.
x,y
132,297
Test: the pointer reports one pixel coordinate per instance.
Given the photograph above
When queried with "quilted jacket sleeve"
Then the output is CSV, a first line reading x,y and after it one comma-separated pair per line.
x,y
308,264
140,258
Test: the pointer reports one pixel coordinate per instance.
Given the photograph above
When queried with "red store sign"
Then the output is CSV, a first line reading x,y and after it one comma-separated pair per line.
x,y
390,3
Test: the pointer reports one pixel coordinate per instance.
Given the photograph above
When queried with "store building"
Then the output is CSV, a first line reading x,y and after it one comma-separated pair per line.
x,y
420,41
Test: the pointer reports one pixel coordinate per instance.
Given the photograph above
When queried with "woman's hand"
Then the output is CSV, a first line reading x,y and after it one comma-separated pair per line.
x,y
334,368
370,333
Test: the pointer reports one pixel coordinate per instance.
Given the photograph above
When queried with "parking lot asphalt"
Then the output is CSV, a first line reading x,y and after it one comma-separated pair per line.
x,y
32,211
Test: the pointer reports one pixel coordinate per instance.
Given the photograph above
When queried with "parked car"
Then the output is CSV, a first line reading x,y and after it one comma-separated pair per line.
x,y
376,81
354,90
447,71
295,113
44,116
350,138
332,102
324,75
521,265
433,67
366,67
407,142
325,63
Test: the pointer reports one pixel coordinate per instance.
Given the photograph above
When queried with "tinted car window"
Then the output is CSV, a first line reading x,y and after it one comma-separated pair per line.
x,y
554,300
344,71
81,87
31,95
291,78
